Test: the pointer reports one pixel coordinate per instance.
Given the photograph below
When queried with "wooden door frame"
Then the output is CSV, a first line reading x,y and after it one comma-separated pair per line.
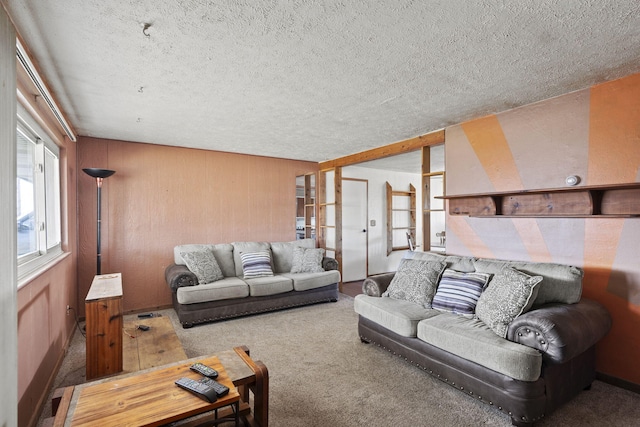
x,y
413,144
321,219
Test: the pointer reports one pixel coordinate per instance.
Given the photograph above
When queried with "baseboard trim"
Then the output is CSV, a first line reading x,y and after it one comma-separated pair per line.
x,y
33,421
627,385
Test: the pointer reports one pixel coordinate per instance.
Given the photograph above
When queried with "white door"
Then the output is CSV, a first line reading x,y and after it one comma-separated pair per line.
x,y
354,229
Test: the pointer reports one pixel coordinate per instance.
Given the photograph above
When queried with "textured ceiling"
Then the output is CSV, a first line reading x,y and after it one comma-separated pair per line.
x,y
315,80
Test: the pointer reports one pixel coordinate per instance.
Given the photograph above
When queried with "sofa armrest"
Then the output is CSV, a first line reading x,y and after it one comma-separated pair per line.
x,y
178,276
329,263
375,285
561,331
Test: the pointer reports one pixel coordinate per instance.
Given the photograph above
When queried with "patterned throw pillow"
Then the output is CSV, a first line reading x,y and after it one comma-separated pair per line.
x,y
459,292
256,264
415,281
509,294
203,264
307,260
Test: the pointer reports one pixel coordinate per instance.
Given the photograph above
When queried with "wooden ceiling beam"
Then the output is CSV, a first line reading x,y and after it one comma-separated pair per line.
x,y
405,146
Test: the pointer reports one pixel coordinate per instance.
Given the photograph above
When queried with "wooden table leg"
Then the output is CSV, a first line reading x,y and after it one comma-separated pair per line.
x,y
260,388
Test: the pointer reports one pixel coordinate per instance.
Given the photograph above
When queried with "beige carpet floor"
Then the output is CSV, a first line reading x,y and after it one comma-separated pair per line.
x,y
322,375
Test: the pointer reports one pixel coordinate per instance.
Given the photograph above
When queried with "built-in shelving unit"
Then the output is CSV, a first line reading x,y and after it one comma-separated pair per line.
x,y
309,206
401,202
306,206
607,201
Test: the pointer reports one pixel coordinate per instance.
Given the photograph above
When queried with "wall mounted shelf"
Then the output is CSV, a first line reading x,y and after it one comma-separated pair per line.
x,y
608,201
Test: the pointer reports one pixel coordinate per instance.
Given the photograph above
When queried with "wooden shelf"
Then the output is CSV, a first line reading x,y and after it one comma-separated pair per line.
x,y
611,201
408,223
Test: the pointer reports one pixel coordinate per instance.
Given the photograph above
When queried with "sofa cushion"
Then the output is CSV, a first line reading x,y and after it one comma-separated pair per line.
x,y
227,288
282,253
397,315
261,286
177,251
459,292
203,264
454,262
223,253
306,281
307,260
509,294
415,281
471,339
241,247
256,264
561,283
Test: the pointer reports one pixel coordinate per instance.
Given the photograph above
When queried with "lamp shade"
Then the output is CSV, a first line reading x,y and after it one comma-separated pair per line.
x,y
98,173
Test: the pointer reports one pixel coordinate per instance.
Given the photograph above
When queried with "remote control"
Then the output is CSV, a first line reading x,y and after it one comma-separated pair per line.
x,y
201,390
204,370
144,315
144,327
220,389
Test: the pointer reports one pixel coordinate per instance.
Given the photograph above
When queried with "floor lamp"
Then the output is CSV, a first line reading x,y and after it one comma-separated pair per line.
x,y
99,175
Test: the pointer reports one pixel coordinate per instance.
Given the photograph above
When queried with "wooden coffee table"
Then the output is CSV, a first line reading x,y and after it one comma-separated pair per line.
x,y
157,346
153,388
146,398
249,376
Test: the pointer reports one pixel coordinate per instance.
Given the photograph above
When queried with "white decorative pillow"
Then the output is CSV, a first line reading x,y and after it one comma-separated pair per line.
x,y
509,294
203,264
307,260
415,281
256,264
459,292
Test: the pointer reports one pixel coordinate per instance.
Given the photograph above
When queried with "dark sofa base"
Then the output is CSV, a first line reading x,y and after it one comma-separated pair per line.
x,y
525,402
194,314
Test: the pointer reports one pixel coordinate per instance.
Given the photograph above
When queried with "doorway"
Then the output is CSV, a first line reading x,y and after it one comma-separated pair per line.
x,y
355,202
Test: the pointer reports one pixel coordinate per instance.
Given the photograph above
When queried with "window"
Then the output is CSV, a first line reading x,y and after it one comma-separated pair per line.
x,y
38,196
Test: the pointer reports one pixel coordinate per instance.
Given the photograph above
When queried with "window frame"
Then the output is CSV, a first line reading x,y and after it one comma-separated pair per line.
x,y
45,253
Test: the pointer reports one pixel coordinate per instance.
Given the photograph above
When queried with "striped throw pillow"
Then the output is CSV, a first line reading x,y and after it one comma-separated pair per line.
x,y
256,264
459,292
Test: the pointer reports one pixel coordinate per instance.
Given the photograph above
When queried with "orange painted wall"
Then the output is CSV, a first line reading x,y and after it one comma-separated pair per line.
x,y
164,196
595,134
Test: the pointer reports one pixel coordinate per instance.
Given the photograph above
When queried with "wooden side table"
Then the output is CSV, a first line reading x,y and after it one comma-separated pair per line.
x,y
103,310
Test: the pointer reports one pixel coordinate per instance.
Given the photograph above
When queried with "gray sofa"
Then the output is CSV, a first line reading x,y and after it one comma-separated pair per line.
x,y
547,354
233,293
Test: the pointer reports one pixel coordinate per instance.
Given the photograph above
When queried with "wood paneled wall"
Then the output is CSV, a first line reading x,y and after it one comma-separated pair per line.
x,y
164,196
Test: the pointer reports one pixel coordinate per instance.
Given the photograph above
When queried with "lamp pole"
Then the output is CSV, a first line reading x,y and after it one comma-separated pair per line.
x,y
99,175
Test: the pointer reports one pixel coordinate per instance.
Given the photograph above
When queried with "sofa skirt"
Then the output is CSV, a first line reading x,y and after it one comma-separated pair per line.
x,y
193,314
525,402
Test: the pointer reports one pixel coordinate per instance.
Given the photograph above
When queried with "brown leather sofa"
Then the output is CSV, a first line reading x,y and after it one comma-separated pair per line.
x,y
562,335
234,295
